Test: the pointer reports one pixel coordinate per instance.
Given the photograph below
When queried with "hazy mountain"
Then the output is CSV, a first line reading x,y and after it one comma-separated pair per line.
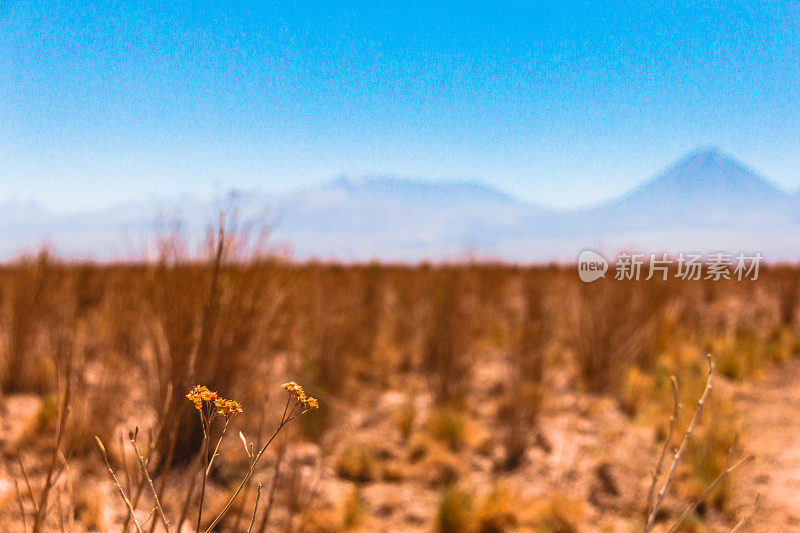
x,y
397,219
705,202
705,187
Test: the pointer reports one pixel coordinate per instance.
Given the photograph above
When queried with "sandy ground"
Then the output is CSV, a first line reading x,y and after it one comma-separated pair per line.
x,y
771,410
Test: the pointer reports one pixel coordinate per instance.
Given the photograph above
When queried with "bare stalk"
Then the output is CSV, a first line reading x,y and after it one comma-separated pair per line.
x,y
208,310
167,463
746,518
651,520
216,448
206,465
673,423
27,481
284,420
189,495
63,413
70,486
21,506
255,510
60,512
725,473
273,487
144,469
207,419
118,485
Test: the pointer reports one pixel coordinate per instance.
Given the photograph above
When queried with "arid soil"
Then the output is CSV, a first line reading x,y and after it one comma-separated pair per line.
x,y
770,408
595,462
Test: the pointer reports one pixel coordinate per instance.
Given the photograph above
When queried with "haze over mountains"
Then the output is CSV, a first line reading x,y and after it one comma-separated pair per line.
x,y
706,202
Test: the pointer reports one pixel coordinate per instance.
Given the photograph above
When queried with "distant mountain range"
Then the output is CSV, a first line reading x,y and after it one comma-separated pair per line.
x,y
706,202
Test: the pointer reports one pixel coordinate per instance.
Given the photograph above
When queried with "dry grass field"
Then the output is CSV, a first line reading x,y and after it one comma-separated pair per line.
x,y
457,398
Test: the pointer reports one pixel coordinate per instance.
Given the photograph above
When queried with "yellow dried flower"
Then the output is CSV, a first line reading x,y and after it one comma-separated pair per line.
x,y
200,394
293,388
208,395
297,391
227,407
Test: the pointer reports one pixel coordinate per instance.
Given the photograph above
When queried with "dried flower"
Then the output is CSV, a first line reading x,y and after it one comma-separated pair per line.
x,y
227,408
307,402
201,396
293,388
311,403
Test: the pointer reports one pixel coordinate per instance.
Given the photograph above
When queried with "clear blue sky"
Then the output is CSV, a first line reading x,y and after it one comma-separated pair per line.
x,y
563,104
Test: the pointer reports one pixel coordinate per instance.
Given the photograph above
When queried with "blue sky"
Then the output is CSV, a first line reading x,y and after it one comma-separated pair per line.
x,y
564,104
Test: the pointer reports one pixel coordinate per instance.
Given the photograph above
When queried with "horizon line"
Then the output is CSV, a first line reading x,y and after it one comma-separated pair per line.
x,y
347,175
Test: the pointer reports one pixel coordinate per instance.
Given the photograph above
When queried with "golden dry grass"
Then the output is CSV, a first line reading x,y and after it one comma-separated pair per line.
x,y
439,380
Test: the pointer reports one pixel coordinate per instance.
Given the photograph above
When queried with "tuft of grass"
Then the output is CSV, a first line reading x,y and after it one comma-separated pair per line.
x,y
636,389
405,417
38,304
613,329
358,462
328,520
447,362
353,510
455,511
449,426
711,456
89,509
518,412
441,467
558,514
497,512
204,314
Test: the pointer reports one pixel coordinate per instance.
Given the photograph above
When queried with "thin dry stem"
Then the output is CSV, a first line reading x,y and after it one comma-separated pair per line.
x,y
41,512
206,465
746,518
121,491
21,506
255,510
189,494
273,487
651,520
216,448
146,473
27,482
673,423
725,473
60,513
70,486
284,420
